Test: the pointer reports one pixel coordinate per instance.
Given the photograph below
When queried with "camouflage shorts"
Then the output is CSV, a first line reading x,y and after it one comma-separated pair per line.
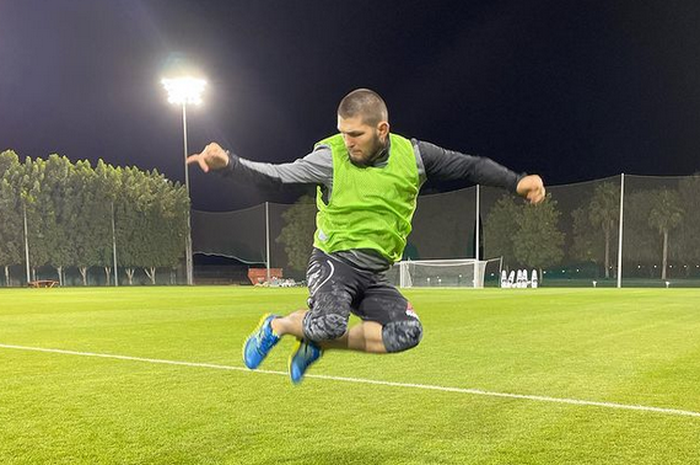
x,y
337,290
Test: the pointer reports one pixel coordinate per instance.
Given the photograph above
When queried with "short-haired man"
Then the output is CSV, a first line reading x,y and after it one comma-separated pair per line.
x,y
368,182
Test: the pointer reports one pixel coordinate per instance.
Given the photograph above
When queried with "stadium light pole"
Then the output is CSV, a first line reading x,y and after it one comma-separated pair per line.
x,y
619,244
477,269
26,240
183,91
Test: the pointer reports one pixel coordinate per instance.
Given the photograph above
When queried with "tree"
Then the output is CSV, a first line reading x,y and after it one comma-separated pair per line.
x,y
174,225
165,216
500,228
584,246
60,211
604,212
92,229
298,231
11,227
686,246
131,220
539,241
39,215
151,222
639,238
665,215
109,184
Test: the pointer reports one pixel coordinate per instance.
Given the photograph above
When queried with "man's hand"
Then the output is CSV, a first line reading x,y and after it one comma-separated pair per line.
x,y
213,157
532,188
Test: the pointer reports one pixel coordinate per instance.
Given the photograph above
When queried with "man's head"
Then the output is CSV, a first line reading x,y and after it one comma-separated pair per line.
x,y
363,120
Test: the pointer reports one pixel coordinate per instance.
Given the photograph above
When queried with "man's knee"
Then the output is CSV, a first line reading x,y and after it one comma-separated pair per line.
x,y
402,335
324,327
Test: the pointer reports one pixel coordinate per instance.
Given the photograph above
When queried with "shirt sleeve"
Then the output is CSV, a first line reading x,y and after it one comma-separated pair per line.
x,y
314,168
443,165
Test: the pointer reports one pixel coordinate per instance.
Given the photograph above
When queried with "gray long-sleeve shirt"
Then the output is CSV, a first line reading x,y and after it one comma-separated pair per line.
x,y
434,163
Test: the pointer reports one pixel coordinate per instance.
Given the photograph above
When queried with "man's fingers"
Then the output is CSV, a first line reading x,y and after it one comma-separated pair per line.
x,y
213,157
199,159
537,195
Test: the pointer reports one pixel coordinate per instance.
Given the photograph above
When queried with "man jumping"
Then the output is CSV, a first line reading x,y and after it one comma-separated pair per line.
x,y
368,181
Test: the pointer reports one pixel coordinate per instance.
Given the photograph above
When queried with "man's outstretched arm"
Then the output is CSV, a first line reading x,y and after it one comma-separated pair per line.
x,y
447,165
314,168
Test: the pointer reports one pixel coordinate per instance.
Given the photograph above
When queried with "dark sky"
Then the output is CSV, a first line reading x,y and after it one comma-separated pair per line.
x,y
573,90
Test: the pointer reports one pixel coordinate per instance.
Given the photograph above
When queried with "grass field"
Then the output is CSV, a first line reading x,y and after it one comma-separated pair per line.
x,y
618,348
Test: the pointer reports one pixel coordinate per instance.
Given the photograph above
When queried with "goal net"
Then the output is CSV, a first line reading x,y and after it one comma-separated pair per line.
x,y
463,272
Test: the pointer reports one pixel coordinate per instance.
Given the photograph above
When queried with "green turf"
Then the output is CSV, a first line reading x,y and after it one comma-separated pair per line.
x,y
623,346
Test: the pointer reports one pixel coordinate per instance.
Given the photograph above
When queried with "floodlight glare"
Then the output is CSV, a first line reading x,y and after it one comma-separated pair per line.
x,y
184,90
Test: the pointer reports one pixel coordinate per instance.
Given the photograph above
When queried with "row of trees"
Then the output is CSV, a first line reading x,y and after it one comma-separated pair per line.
x,y
660,224
62,214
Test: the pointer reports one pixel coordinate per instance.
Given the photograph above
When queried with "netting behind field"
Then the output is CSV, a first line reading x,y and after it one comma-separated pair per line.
x,y
572,240
661,238
444,226
236,234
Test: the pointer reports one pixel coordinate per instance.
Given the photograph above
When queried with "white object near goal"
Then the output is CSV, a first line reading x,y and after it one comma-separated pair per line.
x,y
461,272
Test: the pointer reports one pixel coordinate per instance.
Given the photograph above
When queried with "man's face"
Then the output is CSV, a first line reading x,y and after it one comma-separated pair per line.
x,y
363,141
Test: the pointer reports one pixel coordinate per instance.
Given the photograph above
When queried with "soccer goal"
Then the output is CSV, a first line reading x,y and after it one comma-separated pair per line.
x,y
461,272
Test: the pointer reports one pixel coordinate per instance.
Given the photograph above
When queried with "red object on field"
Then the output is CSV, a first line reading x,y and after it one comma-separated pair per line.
x,y
259,275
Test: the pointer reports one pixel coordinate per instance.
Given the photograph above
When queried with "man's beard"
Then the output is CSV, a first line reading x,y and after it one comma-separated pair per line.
x,y
377,149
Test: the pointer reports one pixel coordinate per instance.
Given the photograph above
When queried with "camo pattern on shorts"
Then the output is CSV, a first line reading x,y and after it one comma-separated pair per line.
x,y
329,300
336,290
402,335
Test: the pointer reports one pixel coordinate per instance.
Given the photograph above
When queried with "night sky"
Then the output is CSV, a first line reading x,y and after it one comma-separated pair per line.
x,y
573,90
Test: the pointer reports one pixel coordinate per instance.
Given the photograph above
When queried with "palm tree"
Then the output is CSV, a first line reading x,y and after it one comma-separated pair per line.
x,y
603,213
666,214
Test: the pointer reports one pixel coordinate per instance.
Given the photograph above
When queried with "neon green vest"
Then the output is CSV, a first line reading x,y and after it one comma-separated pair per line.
x,y
370,207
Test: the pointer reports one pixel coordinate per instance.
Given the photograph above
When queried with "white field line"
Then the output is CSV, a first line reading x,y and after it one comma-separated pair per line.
x,y
478,392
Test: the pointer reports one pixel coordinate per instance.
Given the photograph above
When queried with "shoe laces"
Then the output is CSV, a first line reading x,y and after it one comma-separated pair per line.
x,y
265,338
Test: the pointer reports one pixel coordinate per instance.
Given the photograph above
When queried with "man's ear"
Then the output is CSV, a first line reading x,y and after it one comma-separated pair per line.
x,y
383,129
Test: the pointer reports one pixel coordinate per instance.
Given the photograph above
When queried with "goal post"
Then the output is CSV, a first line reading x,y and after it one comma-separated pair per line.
x,y
461,272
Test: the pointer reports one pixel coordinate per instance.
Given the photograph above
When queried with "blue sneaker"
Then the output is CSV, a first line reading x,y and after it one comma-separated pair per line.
x,y
260,342
305,354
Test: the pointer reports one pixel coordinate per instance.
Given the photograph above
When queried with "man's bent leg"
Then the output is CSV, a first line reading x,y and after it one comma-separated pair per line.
x,y
364,337
291,324
389,322
372,337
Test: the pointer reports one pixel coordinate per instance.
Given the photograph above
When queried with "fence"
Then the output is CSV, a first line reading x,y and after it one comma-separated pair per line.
x,y
622,231
613,232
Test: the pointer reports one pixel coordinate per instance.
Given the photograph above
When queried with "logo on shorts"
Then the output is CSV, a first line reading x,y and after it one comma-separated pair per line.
x,y
410,312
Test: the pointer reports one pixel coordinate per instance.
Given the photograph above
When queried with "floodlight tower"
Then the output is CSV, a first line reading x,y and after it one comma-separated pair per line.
x,y
183,91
